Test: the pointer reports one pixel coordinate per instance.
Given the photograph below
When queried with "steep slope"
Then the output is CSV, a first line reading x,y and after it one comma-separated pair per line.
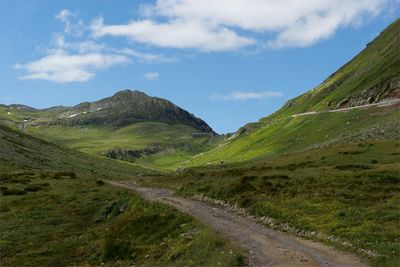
x,y
129,126
371,77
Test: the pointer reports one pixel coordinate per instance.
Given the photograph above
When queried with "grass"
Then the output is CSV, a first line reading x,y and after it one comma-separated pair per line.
x,y
348,191
176,140
56,210
288,135
76,221
20,151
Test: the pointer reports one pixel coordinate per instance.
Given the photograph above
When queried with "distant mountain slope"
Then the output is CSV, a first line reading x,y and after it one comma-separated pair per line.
x,y
371,77
19,151
129,107
122,109
129,126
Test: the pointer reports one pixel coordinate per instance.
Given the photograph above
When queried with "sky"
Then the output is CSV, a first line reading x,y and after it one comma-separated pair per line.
x,y
229,62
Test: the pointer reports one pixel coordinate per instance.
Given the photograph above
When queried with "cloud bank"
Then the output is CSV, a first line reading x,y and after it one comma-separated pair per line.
x,y
76,54
221,25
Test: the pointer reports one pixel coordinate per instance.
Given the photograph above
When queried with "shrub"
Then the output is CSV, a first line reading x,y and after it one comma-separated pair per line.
x,y
275,176
247,179
9,192
36,187
61,175
99,182
353,167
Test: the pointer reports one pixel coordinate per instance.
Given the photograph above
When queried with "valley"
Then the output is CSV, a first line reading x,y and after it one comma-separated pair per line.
x,y
135,180
130,126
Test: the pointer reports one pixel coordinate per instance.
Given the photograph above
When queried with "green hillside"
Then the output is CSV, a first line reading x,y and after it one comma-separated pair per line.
x,y
371,77
128,126
20,151
346,195
56,210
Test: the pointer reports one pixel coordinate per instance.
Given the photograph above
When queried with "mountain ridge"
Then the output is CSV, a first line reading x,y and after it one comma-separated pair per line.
x,y
370,77
129,125
122,109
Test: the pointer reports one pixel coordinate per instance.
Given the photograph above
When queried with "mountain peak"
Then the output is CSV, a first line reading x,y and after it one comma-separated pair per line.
x,y
129,92
127,107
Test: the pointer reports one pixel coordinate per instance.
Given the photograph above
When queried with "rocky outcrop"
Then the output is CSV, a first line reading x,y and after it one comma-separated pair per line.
x,y
132,155
247,129
373,94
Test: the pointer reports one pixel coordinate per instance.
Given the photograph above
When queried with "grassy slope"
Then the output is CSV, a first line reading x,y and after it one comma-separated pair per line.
x,y
54,211
349,191
287,135
97,140
20,151
376,64
280,133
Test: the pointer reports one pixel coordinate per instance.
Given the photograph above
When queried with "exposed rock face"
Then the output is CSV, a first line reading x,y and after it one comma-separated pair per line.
x,y
132,155
372,94
128,107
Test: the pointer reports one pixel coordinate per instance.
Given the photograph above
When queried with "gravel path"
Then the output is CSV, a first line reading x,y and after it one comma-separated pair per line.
x,y
379,104
265,247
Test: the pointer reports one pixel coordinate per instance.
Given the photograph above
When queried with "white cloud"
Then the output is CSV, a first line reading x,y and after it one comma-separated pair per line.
x,y
71,25
239,95
80,47
63,67
79,60
152,76
175,34
145,57
217,25
64,15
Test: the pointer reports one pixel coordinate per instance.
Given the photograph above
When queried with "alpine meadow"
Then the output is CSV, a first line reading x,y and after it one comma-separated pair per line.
x,y
93,175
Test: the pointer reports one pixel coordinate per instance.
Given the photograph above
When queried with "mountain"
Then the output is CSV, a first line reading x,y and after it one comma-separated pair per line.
x,y
129,125
122,109
360,101
126,108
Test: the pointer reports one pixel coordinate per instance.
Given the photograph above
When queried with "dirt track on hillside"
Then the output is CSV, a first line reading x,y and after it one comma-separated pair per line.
x,y
384,103
265,247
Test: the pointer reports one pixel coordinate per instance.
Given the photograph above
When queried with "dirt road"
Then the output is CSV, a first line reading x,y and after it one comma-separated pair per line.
x,y
385,103
265,247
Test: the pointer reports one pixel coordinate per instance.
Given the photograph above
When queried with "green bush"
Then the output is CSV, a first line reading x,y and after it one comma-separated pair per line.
x,y
36,187
9,192
61,175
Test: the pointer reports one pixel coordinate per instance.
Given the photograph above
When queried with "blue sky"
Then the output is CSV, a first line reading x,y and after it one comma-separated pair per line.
x,y
229,62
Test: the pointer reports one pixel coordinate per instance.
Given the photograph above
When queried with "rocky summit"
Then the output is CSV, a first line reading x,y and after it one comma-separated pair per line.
x,y
129,107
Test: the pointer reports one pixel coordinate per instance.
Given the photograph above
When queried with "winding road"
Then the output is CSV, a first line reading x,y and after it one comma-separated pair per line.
x,y
265,247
